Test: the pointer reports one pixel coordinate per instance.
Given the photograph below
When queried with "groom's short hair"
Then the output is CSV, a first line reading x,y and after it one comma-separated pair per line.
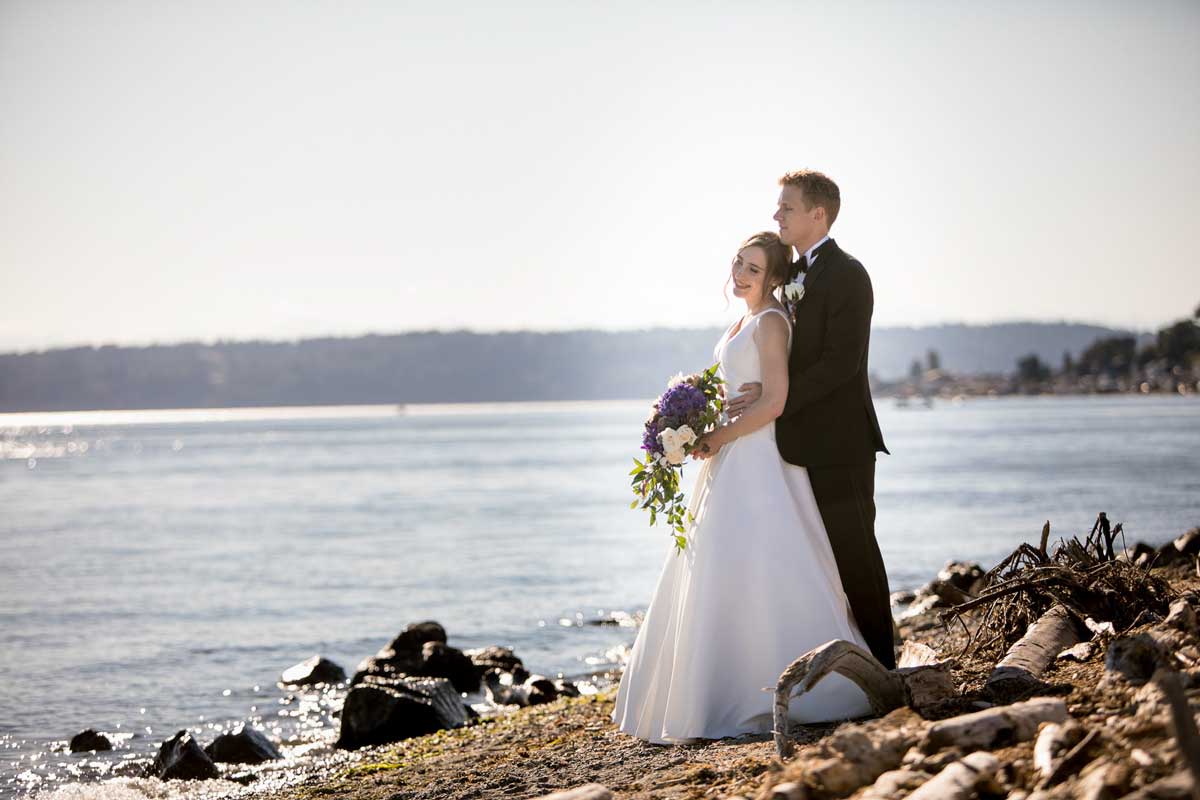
x,y
818,189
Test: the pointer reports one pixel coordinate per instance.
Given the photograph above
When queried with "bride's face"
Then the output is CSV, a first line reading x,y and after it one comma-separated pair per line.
x,y
749,273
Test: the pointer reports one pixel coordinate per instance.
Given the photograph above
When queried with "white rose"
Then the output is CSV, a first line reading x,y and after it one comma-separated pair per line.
x,y
686,435
669,438
675,456
675,380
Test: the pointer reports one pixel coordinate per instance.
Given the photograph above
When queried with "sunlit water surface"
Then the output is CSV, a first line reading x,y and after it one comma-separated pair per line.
x,y
162,568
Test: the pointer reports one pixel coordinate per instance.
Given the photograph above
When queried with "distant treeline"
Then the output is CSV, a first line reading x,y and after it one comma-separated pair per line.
x,y
457,366
1173,351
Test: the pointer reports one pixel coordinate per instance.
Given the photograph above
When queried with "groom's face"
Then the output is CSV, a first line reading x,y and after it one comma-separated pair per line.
x,y
799,226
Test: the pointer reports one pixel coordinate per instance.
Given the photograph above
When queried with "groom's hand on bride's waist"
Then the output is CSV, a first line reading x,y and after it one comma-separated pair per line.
x,y
748,394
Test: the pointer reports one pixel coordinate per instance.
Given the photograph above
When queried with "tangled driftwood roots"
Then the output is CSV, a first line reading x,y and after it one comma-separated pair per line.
x,y
1087,579
1125,727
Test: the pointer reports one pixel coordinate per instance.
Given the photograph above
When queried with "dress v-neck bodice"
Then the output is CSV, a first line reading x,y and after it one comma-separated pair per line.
x,y
737,354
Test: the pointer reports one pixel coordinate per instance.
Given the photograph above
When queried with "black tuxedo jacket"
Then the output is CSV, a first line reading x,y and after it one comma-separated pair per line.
x,y
829,418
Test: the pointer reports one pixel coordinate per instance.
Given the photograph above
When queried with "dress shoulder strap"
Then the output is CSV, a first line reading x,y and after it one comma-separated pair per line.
x,y
783,314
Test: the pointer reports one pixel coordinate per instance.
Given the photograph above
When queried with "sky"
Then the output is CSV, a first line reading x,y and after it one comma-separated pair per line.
x,y
233,170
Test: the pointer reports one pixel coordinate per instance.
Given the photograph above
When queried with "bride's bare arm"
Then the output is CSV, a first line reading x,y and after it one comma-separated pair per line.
x,y
771,338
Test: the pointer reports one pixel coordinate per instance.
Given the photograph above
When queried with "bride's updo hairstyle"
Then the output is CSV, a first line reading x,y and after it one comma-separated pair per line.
x,y
779,258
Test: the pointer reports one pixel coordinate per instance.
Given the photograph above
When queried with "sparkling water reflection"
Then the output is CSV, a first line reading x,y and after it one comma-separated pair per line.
x,y
162,568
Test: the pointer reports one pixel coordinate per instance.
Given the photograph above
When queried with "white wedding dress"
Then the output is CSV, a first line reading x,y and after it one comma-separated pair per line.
x,y
756,588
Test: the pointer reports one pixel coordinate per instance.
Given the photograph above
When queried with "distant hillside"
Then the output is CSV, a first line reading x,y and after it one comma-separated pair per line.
x,y
972,349
456,366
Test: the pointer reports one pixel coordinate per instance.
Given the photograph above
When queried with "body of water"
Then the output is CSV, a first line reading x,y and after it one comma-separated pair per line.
x,y
162,568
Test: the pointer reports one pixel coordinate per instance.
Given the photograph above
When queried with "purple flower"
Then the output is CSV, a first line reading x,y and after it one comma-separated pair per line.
x,y
650,440
680,401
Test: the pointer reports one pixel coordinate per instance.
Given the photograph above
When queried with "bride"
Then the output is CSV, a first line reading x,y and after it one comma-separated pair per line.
x,y
757,585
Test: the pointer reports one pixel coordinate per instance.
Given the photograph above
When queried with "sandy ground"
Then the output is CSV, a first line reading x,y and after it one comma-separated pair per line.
x,y
547,748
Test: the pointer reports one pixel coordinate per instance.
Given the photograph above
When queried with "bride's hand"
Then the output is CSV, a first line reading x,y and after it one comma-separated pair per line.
x,y
707,445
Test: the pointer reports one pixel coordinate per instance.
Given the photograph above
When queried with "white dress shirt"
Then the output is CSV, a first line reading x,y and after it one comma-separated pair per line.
x,y
808,254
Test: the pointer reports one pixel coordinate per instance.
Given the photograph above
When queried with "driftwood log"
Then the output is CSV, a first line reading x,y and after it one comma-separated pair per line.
x,y
994,727
1054,741
959,780
1022,666
919,680
894,783
1071,761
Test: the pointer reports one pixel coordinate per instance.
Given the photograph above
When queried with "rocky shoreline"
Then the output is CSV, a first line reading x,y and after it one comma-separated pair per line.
x,y
1058,673
1106,716
415,685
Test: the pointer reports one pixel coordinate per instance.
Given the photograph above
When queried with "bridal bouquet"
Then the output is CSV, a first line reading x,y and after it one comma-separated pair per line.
x,y
687,410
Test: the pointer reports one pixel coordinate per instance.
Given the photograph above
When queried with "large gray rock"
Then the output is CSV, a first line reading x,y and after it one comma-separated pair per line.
x,y
1134,657
313,671
541,690
501,658
1182,616
180,758
439,660
421,651
1141,554
404,655
502,690
242,745
966,576
417,634
387,709
535,690
1188,543
88,741
1183,549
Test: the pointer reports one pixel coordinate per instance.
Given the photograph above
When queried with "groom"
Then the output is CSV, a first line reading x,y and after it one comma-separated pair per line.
x,y
828,424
